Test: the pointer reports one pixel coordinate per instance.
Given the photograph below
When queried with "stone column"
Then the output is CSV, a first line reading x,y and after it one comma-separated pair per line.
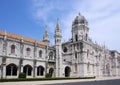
x,y
21,56
34,59
34,68
3,67
46,62
4,71
21,68
35,75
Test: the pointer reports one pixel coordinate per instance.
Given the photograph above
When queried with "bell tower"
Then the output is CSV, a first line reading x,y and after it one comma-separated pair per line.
x,y
80,28
58,47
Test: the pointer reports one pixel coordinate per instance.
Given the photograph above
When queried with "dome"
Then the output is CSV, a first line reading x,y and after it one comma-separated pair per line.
x,y
80,20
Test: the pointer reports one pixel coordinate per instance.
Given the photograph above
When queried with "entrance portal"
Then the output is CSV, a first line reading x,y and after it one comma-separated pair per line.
x,y
67,71
51,70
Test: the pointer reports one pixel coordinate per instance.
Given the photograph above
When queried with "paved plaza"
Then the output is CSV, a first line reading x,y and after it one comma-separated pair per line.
x,y
104,82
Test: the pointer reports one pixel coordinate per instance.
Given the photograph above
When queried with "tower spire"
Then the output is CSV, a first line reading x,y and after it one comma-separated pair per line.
x,y
57,24
46,30
58,32
46,36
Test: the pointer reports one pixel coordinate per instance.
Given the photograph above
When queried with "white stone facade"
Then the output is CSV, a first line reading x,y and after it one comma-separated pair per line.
x,y
78,57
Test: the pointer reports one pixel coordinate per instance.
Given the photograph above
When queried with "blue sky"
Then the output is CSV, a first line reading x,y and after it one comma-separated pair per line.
x,y
29,18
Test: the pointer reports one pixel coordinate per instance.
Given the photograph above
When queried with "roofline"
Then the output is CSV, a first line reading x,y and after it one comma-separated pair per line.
x,y
16,36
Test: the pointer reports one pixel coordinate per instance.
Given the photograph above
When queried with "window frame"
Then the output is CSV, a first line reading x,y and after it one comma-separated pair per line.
x,y
12,49
28,51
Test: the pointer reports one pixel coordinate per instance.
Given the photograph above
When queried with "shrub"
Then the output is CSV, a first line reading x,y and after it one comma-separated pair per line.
x,y
22,75
48,75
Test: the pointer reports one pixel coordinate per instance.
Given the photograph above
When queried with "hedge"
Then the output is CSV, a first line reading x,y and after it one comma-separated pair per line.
x,y
40,79
22,75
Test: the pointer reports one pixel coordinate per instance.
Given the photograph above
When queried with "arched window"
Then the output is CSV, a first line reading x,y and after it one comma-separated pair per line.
x,y
75,55
51,55
86,36
65,49
87,52
40,53
82,21
40,71
76,38
27,70
12,49
28,51
11,70
57,40
99,56
4,47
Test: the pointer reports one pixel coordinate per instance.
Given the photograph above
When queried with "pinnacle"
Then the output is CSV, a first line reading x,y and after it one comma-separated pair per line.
x,y
57,24
79,14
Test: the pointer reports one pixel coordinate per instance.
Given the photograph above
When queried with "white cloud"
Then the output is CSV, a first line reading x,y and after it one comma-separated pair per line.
x,y
41,10
103,17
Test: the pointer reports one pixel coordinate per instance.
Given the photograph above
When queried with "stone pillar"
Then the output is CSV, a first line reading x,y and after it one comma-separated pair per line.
x,y
34,61
46,62
59,65
35,73
3,66
4,71
34,68
21,68
21,56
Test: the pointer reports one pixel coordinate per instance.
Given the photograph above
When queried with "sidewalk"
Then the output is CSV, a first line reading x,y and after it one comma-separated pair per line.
x,y
55,81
